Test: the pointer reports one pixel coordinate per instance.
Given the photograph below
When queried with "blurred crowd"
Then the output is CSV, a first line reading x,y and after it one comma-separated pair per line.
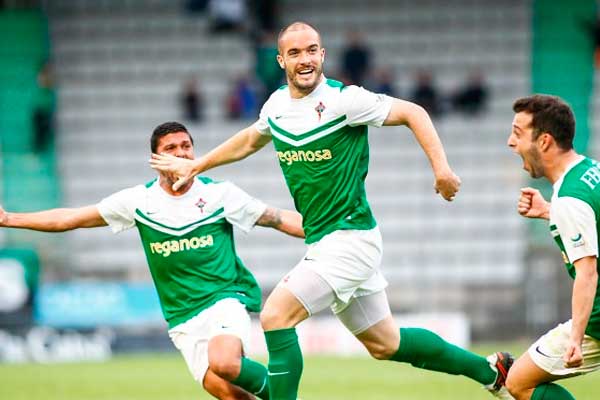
x,y
258,20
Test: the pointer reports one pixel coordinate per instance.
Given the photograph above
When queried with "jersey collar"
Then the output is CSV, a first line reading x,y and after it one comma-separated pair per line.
x,y
571,165
312,94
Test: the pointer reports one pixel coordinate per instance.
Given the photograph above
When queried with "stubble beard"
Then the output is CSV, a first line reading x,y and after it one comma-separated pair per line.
x,y
308,87
535,163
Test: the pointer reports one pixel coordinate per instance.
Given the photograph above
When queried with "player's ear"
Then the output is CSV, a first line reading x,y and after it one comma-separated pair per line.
x,y
280,61
545,140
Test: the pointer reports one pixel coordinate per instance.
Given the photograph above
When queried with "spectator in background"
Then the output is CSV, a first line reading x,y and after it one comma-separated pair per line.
x,y
426,94
192,102
267,70
242,102
384,82
227,15
356,59
267,13
43,111
196,6
472,97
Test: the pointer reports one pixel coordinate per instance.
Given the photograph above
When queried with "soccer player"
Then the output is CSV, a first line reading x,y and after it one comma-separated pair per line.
x,y
319,129
205,290
542,134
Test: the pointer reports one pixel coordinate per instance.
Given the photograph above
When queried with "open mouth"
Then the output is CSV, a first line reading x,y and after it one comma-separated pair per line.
x,y
305,71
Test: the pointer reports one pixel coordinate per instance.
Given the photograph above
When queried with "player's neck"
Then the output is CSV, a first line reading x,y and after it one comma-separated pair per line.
x,y
558,164
298,93
167,186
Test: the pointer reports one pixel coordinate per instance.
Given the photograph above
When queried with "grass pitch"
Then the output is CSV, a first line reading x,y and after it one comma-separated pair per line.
x,y
165,376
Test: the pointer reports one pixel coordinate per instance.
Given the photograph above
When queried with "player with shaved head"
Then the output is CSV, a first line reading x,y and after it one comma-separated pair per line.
x,y
319,130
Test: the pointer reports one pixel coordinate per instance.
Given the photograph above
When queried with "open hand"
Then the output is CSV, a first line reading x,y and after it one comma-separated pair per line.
x,y
180,168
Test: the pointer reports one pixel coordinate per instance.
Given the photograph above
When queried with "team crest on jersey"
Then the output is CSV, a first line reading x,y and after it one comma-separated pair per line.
x,y
319,109
200,204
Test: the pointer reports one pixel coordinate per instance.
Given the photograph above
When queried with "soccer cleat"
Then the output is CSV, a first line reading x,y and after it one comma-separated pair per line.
x,y
501,363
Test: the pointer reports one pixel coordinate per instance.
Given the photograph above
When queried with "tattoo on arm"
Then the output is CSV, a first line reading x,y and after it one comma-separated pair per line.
x,y
271,218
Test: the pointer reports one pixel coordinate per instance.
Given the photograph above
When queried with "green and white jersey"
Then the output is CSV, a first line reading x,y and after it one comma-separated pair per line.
x,y
323,150
188,241
574,216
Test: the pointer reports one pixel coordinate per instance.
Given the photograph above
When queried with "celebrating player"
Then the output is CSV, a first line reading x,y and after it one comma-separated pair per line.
x,y
319,129
204,289
542,134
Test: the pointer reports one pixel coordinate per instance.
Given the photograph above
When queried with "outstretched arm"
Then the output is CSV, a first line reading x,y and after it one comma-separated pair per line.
x,y
244,143
55,220
286,221
416,118
584,292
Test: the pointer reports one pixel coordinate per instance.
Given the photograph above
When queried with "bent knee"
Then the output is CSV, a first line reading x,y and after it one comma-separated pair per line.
x,y
517,390
380,351
276,318
228,369
271,319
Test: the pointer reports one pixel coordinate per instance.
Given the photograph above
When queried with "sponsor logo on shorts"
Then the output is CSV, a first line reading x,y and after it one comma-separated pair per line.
x,y
542,353
291,156
169,247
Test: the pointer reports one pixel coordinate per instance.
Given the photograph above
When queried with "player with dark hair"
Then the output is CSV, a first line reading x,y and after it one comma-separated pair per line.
x,y
542,134
205,290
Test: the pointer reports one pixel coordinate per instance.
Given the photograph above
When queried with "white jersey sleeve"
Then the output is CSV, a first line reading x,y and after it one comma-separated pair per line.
x,y
241,209
363,107
118,210
576,224
262,125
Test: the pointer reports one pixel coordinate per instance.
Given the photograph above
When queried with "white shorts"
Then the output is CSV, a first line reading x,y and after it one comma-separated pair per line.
x,y
348,261
548,351
225,317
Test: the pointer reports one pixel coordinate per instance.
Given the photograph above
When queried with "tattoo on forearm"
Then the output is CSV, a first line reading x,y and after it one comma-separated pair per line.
x,y
271,217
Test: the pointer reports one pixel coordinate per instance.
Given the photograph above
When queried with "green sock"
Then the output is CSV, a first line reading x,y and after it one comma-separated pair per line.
x,y
253,378
551,391
285,363
424,349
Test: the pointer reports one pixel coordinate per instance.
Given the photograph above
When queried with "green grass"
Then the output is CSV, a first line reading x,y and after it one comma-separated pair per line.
x,y
165,376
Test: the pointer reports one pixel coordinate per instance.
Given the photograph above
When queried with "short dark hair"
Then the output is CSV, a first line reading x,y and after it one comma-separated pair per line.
x,y
165,129
550,114
294,26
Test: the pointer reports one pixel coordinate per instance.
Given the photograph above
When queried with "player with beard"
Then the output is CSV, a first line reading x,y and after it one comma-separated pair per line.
x,y
542,134
319,129
204,289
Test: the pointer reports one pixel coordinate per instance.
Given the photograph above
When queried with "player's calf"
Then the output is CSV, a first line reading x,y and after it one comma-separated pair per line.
x,y
381,340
